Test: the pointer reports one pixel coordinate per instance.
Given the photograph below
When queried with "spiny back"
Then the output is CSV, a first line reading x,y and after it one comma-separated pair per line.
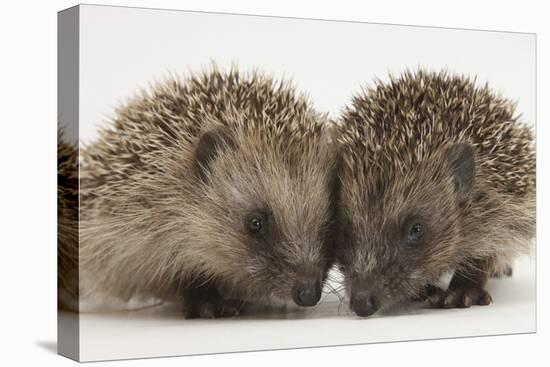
x,y
176,110
67,177
167,120
67,221
396,124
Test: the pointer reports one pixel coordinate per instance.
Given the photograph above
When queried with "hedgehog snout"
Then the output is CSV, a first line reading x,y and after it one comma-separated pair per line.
x,y
306,291
364,302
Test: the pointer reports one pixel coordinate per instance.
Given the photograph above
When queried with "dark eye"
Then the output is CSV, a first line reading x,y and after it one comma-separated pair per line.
x,y
255,225
416,232
258,224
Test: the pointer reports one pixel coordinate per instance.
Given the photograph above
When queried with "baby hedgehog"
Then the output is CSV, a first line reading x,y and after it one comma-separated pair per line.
x,y
437,175
214,191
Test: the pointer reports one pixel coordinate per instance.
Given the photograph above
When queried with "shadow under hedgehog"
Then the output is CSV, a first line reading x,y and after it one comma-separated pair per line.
x,y
214,191
437,176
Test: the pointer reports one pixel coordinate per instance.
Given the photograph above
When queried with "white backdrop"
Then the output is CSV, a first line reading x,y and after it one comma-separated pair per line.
x,y
124,49
28,185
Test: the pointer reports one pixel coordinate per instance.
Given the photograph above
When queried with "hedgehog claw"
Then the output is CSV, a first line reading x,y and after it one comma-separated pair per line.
x,y
458,298
205,302
207,311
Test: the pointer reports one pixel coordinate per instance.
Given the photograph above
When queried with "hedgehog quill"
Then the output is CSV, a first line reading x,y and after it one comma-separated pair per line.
x,y
438,175
213,191
67,221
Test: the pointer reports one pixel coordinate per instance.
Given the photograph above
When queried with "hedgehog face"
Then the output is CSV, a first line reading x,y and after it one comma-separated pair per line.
x,y
399,228
267,213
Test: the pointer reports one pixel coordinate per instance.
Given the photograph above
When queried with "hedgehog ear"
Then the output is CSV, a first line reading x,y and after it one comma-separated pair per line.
x,y
461,161
210,145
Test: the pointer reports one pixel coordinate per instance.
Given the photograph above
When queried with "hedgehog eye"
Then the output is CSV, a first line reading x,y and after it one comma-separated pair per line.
x,y
255,225
415,233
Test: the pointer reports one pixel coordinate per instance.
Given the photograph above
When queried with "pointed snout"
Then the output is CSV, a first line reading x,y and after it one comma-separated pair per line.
x,y
364,302
306,292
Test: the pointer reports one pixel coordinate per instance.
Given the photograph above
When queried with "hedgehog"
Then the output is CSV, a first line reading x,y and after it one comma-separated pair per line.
x,y
67,222
437,177
213,191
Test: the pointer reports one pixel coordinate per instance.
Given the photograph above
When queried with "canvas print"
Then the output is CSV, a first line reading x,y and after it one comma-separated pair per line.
x,y
234,183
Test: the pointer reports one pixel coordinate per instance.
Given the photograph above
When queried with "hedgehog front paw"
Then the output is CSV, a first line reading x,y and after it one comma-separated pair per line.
x,y
207,309
459,297
208,304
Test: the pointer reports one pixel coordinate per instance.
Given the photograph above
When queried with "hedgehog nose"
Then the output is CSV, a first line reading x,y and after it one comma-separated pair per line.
x,y
364,303
306,292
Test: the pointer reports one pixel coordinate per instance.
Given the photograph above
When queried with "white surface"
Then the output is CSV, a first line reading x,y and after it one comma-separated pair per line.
x,y
124,49
161,331
28,185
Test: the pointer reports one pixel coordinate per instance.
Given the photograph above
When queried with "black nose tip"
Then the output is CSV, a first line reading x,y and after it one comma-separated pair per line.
x,y
364,303
306,292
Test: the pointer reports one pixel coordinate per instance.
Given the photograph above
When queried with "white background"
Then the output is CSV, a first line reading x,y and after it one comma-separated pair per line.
x,y
28,158
122,50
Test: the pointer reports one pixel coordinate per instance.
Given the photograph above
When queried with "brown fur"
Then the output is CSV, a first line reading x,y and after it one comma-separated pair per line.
x,y
169,185
67,223
403,145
